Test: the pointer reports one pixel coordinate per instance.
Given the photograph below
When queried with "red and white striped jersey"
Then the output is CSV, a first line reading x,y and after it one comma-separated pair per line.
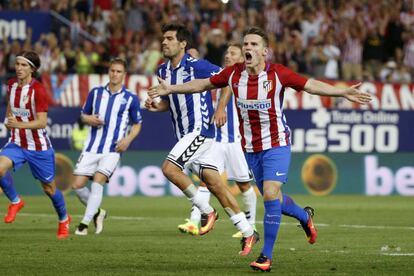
x,y
25,102
259,101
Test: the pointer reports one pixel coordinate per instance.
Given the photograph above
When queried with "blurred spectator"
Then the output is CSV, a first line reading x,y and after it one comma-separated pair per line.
x,y
373,53
58,62
216,47
86,58
151,57
317,59
409,51
352,53
332,55
70,56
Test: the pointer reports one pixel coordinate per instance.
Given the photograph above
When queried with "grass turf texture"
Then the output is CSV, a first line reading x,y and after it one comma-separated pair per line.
x,y
141,237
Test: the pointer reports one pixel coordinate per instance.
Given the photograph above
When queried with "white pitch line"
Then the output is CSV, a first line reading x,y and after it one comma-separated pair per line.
x,y
379,227
398,254
78,216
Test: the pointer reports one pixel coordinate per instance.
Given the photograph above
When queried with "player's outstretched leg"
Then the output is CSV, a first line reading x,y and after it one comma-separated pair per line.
x,y
58,202
214,183
249,200
16,202
303,215
94,202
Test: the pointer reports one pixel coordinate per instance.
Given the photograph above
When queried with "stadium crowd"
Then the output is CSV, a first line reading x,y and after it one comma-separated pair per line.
x,y
326,39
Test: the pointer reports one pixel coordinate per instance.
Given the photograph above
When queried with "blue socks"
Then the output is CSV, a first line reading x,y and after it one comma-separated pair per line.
x,y
271,222
291,209
6,184
59,204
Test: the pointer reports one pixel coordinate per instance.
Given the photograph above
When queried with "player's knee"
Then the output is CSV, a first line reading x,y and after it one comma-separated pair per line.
x,y
169,169
49,188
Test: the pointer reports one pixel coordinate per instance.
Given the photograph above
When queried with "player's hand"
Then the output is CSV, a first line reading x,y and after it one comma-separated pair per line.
x,y
220,117
353,94
159,90
151,104
95,121
11,122
122,145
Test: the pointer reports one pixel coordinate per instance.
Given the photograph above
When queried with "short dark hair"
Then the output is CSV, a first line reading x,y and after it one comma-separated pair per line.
x,y
182,33
258,31
118,60
33,57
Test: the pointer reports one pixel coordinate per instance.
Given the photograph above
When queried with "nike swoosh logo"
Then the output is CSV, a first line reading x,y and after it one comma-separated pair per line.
x,y
279,174
49,177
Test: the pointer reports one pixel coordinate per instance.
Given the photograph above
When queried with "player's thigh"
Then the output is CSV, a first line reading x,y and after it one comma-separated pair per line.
x,y
276,163
87,164
42,164
217,152
11,155
206,160
235,163
188,149
106,165
254,161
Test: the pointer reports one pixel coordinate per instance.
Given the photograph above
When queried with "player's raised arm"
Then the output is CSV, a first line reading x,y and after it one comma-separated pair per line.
x,y
194,86
351,93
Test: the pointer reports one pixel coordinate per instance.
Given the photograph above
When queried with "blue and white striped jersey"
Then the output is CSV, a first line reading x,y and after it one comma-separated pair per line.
x,y
229,132
118,111
190,112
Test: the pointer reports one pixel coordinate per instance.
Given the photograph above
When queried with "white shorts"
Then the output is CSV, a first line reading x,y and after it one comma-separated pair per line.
x,y
229,157
90,163
193,152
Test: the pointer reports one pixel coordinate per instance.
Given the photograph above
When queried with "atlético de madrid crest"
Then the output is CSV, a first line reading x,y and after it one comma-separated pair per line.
x,y
268,85
25,99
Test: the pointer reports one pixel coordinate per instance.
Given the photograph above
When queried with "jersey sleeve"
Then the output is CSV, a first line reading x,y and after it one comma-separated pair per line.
x,y
40,98
222,78
205,69
135,111
289,78
87,107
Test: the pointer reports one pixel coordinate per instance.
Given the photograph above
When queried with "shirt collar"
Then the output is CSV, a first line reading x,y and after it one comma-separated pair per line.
x,y
117,92
182,63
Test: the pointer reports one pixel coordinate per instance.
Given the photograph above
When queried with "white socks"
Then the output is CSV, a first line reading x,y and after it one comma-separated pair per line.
x,y
198,198
203,194
239,220
94,201
83,195
250,200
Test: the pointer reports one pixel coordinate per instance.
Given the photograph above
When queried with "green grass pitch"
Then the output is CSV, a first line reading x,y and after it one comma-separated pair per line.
x,y
357,236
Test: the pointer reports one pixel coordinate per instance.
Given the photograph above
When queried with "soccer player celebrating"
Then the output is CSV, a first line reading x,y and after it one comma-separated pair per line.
x,y
259,87
26,118
192,120
109,110
229,156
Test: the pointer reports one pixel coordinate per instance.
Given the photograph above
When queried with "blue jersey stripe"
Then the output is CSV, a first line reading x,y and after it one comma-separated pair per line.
x,y
118,124
107,121
98,97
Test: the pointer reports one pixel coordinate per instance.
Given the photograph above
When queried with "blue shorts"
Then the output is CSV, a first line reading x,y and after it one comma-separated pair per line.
x,y
271,164
42,163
